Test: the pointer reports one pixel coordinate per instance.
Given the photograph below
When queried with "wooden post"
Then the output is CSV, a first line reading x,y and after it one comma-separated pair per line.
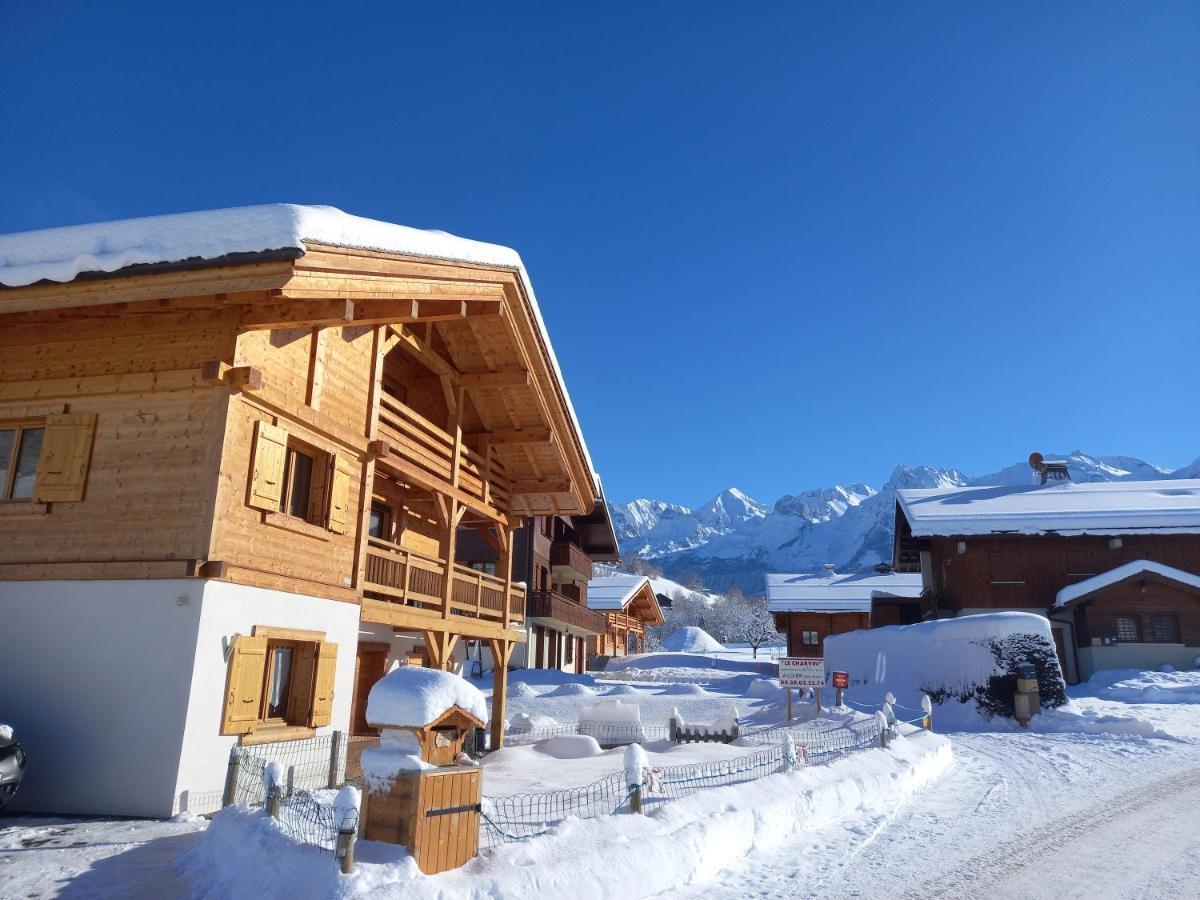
x,y
789,703
345,849
231,777
335,748
635,800
274,799
841,693
501,653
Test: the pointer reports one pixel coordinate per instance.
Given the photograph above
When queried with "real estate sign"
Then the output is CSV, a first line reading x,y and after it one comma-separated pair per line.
x,y
797,671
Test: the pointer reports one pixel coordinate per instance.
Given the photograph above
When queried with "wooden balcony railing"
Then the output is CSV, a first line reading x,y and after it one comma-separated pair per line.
x,y
418,582
567,555
420,442
553,605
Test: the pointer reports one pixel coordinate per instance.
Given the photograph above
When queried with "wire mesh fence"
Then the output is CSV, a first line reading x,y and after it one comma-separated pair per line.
x,y
313,818
521,816
607,734
310,764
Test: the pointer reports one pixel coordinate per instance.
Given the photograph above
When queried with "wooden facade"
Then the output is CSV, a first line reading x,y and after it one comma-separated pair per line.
x,y
806,631
625,628
323,424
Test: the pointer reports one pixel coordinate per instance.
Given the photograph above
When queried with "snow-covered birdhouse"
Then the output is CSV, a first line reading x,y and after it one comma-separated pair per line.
x,y
424,717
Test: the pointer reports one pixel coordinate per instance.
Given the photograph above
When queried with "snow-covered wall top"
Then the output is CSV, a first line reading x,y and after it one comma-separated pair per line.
x,y
413,696
1117,507
837,593
62,254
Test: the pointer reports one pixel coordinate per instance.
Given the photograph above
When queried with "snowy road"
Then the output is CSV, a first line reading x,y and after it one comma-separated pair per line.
x,y
1021,815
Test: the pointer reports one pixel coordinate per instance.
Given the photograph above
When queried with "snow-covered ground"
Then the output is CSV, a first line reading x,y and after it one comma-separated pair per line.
x,y
1038,813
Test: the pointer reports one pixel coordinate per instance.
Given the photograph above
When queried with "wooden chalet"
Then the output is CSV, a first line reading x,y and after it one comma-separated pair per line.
x,y
1114,565
629,606
809,608
237,451
553,555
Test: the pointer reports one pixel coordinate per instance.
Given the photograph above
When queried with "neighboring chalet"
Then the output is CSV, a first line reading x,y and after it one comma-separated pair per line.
x,y
629,606
809,608
237,450
553,556
1114,565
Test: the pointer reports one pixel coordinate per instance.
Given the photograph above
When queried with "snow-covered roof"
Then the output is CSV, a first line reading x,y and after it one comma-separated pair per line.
x,y
413,696
1120,573
62,254
613,592
838,593
1114,507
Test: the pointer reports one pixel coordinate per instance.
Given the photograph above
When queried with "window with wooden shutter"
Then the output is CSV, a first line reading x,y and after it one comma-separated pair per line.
x,y
266,477
244,690
322,700
304,671
65,457
339,496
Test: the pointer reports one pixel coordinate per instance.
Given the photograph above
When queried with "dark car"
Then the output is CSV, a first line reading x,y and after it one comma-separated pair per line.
x,y
12,765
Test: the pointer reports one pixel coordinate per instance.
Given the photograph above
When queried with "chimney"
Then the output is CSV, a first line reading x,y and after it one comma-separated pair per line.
x,y
829,567
1048,468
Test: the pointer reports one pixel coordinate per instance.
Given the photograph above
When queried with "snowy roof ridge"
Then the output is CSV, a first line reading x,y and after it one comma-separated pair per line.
x,y
838,593
612,592
1134,567
64,253
1106,507
414,696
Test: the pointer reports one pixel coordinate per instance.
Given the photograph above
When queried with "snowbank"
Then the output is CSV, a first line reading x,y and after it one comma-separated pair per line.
x,y
1136,686
691,639
611,711
680,843
571,690
969,660
569,746
413,696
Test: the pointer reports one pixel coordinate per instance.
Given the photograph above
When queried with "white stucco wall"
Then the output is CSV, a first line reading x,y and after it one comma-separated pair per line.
x,y
94,679
115,688
230,609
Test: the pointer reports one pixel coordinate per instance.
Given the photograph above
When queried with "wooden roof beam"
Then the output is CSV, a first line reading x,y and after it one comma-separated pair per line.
x,y
547,486
298,314
514,436
423,353
506,378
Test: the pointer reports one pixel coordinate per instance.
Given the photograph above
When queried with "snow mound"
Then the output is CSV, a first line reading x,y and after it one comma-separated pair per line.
x,y
622,690
970,659
1136,686
763,688
521,689
569,746
691,690
413,696
571,690
526,722
691,639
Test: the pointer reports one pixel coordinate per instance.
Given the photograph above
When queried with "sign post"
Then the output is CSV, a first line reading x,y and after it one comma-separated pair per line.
x,y
798,671
841,681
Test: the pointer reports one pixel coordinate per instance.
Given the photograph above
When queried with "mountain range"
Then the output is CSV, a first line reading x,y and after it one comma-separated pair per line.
x,y
735,540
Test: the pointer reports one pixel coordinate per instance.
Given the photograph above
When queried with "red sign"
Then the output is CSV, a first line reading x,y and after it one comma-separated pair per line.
x,y
841,679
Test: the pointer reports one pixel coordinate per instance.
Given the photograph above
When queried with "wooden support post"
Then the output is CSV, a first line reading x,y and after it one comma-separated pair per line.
x,y
501,653
231,777
789,703
335,757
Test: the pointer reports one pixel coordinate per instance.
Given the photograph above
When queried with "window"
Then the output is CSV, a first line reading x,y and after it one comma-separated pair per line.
x,y
1128,631
297,496
810,638
279,678
1006,568
299,480
1165,629
20,450
46,459
488,568
381,521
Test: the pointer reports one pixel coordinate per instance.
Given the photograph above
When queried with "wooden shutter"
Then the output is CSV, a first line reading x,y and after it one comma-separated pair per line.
x,y
339,495
243,694
304,670
66,454
322,698
266,478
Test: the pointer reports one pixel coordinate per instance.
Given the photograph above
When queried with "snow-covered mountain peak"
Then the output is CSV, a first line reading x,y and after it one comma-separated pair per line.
x,y
730,507
926,477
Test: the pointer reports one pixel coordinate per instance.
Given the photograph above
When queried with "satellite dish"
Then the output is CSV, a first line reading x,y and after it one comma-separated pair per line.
x,y
1035,461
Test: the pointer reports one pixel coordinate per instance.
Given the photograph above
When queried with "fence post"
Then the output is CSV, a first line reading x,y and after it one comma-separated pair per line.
x,y
274,798
291,780
345,848
927,708
636,763
884,733
231,776
335,753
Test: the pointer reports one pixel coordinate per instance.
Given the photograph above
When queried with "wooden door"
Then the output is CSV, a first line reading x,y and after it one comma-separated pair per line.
x,y
578,655
1060,647
370,664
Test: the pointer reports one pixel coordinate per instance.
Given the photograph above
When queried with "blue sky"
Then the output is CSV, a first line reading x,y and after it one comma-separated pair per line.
x,y
777,245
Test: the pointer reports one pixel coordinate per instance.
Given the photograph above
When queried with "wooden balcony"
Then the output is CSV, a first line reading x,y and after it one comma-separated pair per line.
x,y
425,452
407,590
565,555
560,608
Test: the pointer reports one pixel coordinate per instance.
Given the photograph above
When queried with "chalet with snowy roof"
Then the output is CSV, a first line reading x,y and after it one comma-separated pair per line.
x,y
809,608
629,606
237,451
1114,565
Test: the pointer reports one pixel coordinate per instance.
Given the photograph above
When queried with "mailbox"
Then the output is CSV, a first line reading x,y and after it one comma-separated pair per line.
x,y
1027,700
